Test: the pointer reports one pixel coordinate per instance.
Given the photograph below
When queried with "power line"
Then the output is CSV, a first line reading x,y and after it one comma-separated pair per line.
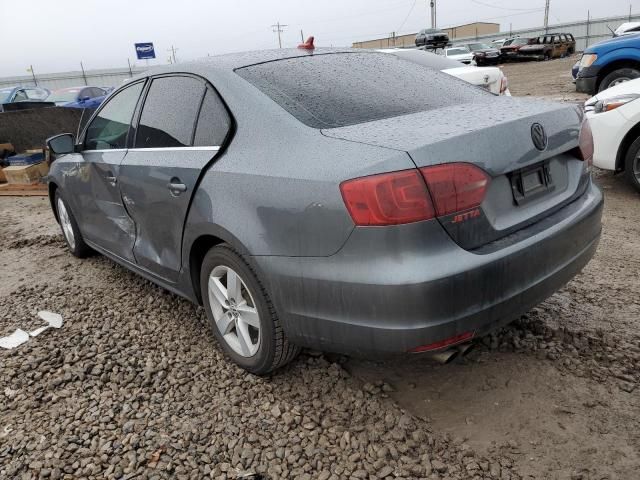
x,y
278,28
407,17
478,2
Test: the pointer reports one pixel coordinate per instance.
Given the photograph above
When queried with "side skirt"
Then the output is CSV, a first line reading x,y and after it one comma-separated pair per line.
x,y
172,287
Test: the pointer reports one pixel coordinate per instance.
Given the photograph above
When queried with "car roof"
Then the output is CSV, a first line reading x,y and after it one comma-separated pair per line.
x,y
222,67
234,61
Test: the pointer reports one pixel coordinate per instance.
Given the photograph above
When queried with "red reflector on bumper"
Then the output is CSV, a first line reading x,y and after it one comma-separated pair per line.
x,y
443,343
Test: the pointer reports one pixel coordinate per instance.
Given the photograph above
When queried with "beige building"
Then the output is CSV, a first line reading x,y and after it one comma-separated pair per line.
x,y
460,31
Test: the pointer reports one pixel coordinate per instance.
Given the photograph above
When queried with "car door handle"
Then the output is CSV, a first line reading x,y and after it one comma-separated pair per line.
x,y
176,188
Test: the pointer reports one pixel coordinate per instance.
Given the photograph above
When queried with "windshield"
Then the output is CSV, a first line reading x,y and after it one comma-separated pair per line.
x,y
335,90
479,46
64,95
4,94
457,51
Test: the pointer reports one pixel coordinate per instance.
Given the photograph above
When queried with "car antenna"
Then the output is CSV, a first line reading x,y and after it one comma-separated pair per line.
x,y
612,32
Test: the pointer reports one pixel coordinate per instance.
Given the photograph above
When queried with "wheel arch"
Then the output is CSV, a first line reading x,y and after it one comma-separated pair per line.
x,y
202,240
616,65
626,143
52,188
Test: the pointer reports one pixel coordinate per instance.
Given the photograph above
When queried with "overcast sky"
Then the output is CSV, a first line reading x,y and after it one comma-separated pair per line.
x,y
55,35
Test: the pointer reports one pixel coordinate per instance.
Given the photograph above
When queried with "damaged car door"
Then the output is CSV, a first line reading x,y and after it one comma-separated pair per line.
x,y
183,123
104,220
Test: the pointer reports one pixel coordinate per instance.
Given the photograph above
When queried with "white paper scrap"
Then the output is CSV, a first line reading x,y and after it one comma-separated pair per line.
x,y
14,340
53,319
38,331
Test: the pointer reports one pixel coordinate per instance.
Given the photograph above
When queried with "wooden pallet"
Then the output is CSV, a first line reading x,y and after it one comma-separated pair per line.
x,y
20,190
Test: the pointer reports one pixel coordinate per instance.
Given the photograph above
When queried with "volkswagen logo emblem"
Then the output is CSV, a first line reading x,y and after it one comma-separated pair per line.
x,y
539,136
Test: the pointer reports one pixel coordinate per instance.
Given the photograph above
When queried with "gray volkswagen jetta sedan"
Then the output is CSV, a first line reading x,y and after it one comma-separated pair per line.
x,y
343,200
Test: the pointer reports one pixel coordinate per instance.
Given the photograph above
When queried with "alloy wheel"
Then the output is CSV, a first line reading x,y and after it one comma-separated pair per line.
x,y
65,222
234,311
636,168
618,81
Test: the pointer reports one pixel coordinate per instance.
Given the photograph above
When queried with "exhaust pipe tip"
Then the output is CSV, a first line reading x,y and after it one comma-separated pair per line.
x,y
446,356
465,348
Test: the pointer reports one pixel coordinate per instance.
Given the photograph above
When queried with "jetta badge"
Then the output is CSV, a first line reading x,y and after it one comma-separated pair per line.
x,y
539,136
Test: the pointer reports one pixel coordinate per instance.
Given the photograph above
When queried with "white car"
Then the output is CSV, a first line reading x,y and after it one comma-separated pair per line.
x,y
489,78
614,116
627,29
459,54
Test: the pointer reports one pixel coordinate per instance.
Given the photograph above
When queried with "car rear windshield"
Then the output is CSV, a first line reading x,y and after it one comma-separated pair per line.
x,y
336,90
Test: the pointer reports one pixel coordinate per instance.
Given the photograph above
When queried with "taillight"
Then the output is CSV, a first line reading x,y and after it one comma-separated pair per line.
x,y
387,199
585,143
455,187
402,197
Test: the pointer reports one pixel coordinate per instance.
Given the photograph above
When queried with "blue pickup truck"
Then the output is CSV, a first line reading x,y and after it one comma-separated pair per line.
x,y
609,63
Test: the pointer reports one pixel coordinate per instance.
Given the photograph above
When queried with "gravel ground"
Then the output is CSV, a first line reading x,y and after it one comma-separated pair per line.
x,y
133,386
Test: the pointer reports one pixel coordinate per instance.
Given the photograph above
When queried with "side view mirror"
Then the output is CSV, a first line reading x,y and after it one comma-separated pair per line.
x,y
61,144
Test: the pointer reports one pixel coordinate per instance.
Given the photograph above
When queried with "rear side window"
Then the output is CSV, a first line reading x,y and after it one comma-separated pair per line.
x,y
169,114
108,130
213,122
335,90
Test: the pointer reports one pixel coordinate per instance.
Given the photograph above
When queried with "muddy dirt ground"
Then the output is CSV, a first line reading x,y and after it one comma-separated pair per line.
x,y
132,386
551,80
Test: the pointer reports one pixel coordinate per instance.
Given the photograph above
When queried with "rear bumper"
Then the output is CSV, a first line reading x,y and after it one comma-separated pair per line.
x,y
369,298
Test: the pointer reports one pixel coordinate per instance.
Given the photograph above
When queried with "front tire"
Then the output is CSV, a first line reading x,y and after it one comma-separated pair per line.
x,y
618,76
632,165
240,313
70,230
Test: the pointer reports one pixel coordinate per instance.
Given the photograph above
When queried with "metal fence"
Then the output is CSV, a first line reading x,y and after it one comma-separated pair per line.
x,y
586,32
112,77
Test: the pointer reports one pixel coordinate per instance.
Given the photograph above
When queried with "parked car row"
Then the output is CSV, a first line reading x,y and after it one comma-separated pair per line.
x,y
544,47
74,97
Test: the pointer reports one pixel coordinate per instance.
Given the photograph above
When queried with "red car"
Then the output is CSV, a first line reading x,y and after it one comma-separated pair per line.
x,y
511,47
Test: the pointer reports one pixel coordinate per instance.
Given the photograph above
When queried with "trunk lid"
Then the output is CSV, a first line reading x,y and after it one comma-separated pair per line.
x,y
496,137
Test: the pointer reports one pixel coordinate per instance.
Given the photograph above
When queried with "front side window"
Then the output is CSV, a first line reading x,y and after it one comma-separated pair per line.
x,y
108,130
20,96
169,114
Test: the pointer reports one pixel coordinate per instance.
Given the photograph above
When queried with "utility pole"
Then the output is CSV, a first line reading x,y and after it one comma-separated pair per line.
x,y
173,51
130,72
434,23
83,74
278,28
33,74
546,16
630,11
301,36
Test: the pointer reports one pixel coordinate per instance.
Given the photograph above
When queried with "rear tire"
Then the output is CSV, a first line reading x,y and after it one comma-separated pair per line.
x,y
632,164
70,230
240,313
618,76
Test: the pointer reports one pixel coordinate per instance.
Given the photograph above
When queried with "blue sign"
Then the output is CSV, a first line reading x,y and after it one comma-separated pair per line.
x,y
145,51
